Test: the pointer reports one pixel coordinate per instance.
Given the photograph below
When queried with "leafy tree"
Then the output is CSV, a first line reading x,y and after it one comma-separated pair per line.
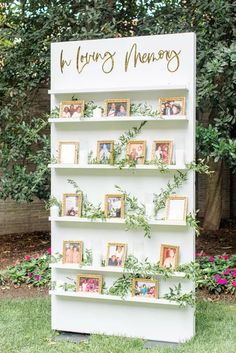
x,y
28,27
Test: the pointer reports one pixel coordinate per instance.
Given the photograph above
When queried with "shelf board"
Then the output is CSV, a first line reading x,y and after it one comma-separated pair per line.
x,y
117,119
169,87
101,269
106,297
111,167
115,221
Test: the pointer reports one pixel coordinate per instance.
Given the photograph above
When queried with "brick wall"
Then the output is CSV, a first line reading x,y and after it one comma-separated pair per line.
x,y
15,217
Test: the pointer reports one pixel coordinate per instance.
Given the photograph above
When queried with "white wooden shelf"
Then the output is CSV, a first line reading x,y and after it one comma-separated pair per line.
x,y
106,297
163,119
102,269
167,87
115,167
115,221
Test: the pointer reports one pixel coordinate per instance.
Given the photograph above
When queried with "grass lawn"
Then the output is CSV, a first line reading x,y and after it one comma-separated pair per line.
x,y
25,328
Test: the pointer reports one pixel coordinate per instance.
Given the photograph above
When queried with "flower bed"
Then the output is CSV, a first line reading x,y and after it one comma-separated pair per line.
x,y
217,273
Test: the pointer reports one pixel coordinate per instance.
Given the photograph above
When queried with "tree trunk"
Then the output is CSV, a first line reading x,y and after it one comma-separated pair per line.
x,y
213,207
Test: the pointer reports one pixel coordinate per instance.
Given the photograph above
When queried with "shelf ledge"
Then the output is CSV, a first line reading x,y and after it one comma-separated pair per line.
x,y
114,298
111,167
115,221
102,269
120,89
116,119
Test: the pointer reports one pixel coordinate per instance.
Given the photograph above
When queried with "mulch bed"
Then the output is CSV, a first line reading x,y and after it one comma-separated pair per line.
x,y
14,247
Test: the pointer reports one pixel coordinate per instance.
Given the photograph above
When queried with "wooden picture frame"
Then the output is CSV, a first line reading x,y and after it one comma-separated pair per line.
x,y
134,153
74,205
144,292
64,157
71,257
176,208
115,214
115,257
170,260
172,106
117,107
71,109
159,151
110,158
88,286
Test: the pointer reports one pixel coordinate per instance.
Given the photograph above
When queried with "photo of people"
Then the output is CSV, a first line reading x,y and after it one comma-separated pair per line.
x,y
162,151
72,205
72,252
117,107
172,106
68,152
71,109
114,206
144,288
136,151
105,151
89,283
116,254
169,256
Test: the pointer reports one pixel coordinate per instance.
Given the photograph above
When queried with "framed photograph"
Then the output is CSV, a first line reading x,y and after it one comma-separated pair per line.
x,y
176,208
114,206
68,152
172,106
72,205
162,150
142,287
89,283
71,109
116,254
105,151
117,107
136,151
72,252
169,256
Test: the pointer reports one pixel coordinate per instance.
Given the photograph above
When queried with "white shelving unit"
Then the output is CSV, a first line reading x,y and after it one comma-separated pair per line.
x,y
148,318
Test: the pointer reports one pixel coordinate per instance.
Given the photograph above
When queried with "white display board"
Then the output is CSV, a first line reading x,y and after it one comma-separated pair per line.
x,y
142,69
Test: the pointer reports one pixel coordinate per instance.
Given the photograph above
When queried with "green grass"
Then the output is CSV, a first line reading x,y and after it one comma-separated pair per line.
x,y
25,328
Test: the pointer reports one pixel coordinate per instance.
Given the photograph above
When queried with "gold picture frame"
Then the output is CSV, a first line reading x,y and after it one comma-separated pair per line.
x,y
69,256
66,109
115,214
76,151
115,111
144,292
169,260
161,154
115,257
87,287
78,205
111,151
174,207
134,153
172,106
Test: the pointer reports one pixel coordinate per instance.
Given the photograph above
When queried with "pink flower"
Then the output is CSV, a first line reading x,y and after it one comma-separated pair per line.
x,y
49,251
233,284
225,257
217,276
36,256
203,253
234,273
222,281
27,258
227,272
211,258
196,254
30,274
37,277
